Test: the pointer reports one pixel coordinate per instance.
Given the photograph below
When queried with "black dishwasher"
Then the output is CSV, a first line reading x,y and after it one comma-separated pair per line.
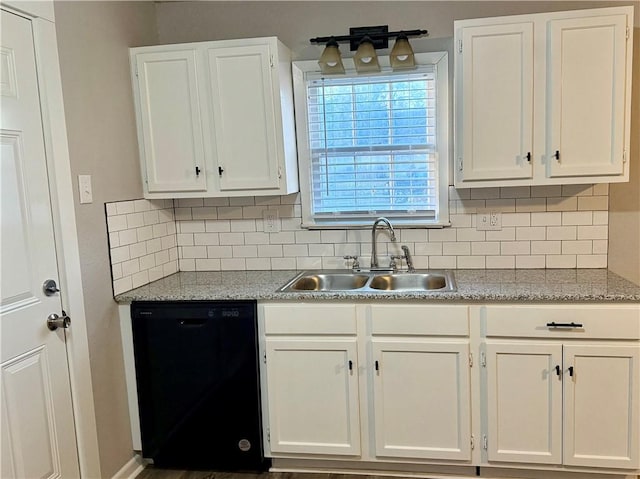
x,y
198,384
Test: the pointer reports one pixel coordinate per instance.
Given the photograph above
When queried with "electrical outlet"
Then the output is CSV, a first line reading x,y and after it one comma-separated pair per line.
x,y
270,221
488,220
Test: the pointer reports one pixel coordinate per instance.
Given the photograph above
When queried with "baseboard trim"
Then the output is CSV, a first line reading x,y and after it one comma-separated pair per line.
x,y
131,469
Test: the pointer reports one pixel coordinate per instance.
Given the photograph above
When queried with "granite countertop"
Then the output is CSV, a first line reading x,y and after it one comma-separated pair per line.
x,y
581,285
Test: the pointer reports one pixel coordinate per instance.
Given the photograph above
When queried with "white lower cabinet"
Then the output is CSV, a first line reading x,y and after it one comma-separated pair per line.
x,y
563,392
421,398
545,389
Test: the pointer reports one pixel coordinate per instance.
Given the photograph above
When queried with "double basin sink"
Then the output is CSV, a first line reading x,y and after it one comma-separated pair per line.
x,y
374,281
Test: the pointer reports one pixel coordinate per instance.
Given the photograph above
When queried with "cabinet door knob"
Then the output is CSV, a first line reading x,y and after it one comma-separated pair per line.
x,y
198,171
558,371
220,170
528,157
350,365
570,371
556,155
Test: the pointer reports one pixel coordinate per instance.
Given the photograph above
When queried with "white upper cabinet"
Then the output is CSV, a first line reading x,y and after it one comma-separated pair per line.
x,y
215,119
543,99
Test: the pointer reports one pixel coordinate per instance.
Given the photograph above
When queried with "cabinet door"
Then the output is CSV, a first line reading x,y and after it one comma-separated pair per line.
x,y
170,121
602,406
586,81
421,399
496,107
313,396
524,402
243,102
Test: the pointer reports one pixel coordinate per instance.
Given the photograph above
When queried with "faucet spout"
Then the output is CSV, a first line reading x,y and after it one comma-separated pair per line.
x,y
374,248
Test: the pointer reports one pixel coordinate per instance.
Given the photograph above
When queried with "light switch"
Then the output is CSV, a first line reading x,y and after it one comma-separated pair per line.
x,y
84,186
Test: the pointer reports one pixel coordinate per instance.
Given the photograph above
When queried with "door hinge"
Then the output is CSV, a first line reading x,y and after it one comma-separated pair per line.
x,y
624,156
470,360
279,172
460,163
473,442
627,33
268,435
459,46
271,60
485,442
264,358
483,359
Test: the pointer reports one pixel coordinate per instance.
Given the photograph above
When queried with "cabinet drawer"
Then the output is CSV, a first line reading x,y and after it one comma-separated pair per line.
x,y
554,321
309,318
420,320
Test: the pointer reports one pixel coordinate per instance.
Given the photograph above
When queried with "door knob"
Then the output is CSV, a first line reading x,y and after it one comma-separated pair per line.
x,y
54,321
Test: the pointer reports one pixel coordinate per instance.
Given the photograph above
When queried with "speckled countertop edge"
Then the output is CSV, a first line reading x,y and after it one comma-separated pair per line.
x,y
530,285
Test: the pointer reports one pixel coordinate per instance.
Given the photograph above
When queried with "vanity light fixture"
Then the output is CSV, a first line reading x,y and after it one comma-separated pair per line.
x,y
365,41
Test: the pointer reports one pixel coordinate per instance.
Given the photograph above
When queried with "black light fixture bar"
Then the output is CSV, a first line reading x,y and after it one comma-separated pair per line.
x,y
378,35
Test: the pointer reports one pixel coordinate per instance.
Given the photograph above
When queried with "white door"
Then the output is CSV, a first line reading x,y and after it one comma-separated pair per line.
x,y
496,102
170,121
421,399
38,436
243,102
602,406
313,395
586,96
524,402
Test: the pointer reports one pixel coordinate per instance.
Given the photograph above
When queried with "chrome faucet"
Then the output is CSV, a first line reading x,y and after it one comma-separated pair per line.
x,y
374,249
407,258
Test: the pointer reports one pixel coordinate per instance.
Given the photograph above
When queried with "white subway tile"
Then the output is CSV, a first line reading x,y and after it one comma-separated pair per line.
x,y
294,250
442,262
444,234
469,206
160,230
130,267
135,220
471,262
256,238
561,233
125,207
577,190
562,204
145,233
116,223
154,245
171,228
561,261
600,217
321,250
191,226
122,285
219,252
168,242
501,262
242,226
592,261
470,234
600,247
119,254
531,204
546,247
485,193
593,203
246,251
283,263
183,214
505,234
151,217
421,262
516,219
331,262
156,273
253,212
485,248
289,211
502,205
461,220
515,248
170,268
577,218
294,224
515,192
284,237
204,213
551,218
111,209
529,262
114,240
185,265
242,201
116,270
259,264
601,189
428,249
173,254
140,279
530,233
270,251
147,262
230,213
189,202
128,237
231,238
307,237
162,257
138,249
141,205
292,199
341,249
456,248
267,200
207,264
546,191
166,215
309,262
333,236
192,252
186,239
593,232
217,226
412,235
461,194
577,247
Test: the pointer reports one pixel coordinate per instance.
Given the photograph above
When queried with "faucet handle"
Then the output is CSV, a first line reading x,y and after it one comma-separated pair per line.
x,y
392,264
355,265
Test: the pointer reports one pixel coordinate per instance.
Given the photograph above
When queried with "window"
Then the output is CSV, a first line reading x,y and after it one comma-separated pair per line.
x,y
373,145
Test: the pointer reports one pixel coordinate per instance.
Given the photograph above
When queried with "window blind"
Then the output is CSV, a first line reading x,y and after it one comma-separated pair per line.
x,y
373,145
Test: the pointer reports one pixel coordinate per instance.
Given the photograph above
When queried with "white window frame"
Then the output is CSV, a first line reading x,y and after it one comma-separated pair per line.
x,y
440,64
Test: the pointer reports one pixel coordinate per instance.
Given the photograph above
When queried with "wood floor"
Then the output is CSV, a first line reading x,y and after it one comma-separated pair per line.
x,y
152,473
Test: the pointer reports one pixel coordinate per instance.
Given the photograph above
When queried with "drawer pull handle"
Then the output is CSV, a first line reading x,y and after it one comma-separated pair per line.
x,y
571,371
350,365
558,371
564,325
377,366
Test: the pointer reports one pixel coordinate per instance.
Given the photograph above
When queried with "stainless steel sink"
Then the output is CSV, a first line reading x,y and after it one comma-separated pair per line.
x,y
371,282
410,282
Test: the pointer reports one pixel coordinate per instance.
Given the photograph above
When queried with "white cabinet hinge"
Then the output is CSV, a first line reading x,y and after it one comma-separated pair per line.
x,y
460,163
459,46
268,435
271,60
279,172
470,360
136,70
264,358
485,442
483,359
624,156
473,442
627,33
